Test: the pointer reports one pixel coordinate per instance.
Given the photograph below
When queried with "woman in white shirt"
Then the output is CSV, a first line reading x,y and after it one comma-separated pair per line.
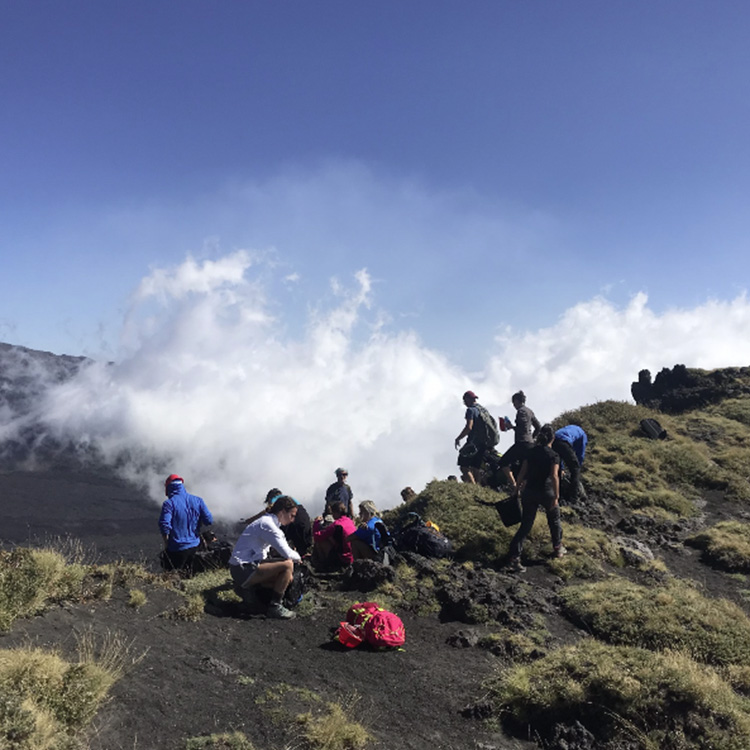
x,y
250,565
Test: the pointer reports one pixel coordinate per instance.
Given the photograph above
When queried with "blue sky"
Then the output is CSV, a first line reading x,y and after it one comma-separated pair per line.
x,y
489,163
298,205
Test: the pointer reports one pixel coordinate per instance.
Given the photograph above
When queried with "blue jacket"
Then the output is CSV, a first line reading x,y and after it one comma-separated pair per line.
x,y
182,515
369,534
574,435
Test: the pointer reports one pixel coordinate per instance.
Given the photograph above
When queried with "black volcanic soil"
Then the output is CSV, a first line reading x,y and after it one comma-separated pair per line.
x,y
210,676
215,675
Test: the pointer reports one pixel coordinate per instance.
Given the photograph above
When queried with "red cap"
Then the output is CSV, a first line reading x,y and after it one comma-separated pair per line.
x,y
471,395
173,478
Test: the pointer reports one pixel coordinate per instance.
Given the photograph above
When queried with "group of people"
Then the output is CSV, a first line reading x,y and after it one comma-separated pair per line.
x,y
263,558
282,533
541,453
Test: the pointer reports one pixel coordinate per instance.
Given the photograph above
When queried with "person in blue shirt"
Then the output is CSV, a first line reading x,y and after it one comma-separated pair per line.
x,y
181,518
570,444
366,540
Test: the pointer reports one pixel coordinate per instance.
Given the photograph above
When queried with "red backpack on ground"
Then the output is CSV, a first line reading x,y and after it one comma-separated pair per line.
x,y
368,621
384,629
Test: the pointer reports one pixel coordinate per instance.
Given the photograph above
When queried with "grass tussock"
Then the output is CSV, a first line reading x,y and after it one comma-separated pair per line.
x,y
475,530
627,697
47,701
224,741
703,452
333,729
725,545
672,616
31,579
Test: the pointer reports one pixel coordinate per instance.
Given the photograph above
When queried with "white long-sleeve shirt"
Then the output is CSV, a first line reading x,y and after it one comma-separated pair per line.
x,y
257,538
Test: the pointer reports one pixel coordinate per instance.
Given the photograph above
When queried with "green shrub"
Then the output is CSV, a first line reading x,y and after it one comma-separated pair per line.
x,y
669,616
621,694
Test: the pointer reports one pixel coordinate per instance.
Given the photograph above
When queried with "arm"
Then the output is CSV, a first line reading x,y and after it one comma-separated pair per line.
x,y
535,424
280,544
466,430
165,521
206,518
555,474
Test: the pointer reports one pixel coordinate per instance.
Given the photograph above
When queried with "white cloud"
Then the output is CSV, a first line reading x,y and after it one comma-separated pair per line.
x,y
216,384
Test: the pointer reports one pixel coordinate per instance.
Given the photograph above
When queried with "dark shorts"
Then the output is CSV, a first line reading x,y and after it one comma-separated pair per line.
x,y
241,573
471,456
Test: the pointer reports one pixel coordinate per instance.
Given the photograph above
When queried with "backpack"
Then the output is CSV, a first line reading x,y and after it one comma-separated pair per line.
x,y
653,429
368,621
361,612
488,433
423,539
385,630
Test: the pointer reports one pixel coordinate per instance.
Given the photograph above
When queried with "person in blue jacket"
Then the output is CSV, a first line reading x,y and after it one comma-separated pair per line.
x,y
181,518
366,540
570,444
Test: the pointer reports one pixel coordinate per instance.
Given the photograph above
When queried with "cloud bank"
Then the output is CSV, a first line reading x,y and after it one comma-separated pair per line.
x,y
211,382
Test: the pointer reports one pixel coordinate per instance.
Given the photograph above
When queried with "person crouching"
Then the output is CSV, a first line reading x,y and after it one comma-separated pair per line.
x,y
250,566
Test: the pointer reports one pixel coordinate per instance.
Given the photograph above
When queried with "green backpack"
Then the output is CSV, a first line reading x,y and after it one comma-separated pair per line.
x,y
488,432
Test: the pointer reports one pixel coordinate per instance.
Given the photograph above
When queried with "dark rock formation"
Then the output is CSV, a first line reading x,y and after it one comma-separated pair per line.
x,y
681,389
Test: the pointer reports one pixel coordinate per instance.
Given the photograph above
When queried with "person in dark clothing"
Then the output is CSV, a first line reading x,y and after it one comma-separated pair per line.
x,y
340,492
526,429
470,456
539,483
180,520
570,444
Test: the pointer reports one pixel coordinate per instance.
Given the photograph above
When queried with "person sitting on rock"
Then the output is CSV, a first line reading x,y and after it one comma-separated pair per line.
x,y
539,484
331,545
570,444
366,540
250,565
180,520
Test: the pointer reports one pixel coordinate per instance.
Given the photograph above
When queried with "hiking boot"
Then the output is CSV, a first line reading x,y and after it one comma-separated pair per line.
x,y
515,566
278,611
559,551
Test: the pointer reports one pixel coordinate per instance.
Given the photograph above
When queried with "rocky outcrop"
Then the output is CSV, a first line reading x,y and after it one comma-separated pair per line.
x,y
681,389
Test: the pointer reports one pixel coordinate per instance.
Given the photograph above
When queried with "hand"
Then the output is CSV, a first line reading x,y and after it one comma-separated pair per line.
x,y
457,442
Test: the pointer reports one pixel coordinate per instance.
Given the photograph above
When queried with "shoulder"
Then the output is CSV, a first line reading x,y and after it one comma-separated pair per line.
x,y
552,455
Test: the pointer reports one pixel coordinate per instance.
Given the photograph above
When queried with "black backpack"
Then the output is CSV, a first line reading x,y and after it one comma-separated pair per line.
x,y
653,430
420,538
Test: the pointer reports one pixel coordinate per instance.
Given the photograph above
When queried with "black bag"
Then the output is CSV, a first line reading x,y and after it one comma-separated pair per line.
x,y
653,429
509,510
420,538
294,591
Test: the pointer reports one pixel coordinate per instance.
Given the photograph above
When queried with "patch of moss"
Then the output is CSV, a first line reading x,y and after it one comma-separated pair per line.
x,y
725,545
665,701
672,615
